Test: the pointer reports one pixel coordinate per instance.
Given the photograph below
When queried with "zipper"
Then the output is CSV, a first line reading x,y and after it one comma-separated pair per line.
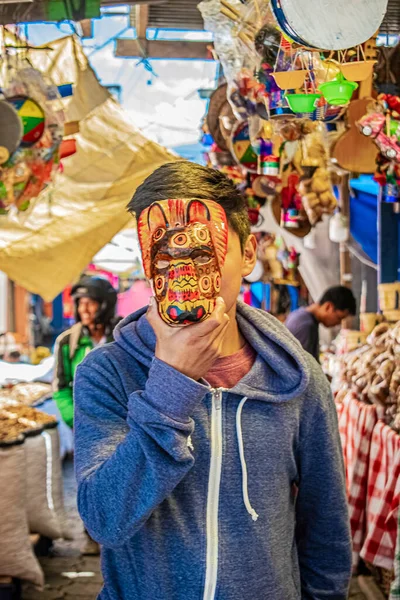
x,y
213,495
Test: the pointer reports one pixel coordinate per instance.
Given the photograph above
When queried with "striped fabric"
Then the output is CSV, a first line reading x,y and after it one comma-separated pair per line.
x,y
383,497
356,425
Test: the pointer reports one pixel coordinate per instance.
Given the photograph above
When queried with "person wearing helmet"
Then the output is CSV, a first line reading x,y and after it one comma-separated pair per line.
x,y
94,300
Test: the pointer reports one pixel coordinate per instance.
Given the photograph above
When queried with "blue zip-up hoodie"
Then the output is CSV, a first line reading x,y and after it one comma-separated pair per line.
x,y
197,494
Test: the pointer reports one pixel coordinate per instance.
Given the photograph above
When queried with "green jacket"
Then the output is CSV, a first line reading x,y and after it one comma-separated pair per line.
x,y
71,348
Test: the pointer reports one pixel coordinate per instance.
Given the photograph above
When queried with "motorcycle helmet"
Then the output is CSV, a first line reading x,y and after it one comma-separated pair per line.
x,y
101,291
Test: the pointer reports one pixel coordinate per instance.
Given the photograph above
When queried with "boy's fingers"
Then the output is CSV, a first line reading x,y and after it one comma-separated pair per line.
x,y
215,320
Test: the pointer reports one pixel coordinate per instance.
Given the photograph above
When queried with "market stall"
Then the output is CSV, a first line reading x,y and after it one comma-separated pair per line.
x,y
310,134
278,125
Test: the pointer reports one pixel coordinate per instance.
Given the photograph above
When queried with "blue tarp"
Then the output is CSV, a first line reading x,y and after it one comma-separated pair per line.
x,y
364,214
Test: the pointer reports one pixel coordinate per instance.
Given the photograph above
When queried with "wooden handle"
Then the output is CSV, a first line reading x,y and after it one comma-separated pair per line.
x,y
234,15
231,8
227,13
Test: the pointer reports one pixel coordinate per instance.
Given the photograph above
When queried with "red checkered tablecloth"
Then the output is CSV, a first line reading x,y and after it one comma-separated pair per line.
x,y
356,425
382,497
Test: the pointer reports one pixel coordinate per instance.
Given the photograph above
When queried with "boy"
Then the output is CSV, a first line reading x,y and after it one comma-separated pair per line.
x,y
336,304
207,456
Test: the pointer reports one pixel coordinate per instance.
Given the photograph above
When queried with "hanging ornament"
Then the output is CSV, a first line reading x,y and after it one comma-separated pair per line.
x,y
32,117
34,141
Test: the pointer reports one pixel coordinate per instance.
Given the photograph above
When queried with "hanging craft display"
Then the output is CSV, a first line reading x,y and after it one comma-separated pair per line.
x,y
184,244
330,25
29,167
282,85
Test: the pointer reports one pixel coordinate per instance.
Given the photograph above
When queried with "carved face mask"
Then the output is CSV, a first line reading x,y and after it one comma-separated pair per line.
x,y
184,244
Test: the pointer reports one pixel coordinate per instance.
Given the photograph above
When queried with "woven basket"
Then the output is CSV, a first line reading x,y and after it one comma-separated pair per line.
x,y
368,321
389,296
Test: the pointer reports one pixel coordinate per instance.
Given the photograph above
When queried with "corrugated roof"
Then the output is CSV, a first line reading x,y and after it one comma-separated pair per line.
x,y
391,22
18,13
174,14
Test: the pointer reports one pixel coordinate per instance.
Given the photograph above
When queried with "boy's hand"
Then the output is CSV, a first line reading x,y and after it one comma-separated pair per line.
x,y
193,349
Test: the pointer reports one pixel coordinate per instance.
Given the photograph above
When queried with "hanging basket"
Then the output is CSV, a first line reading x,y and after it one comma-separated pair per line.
x,y
302,103
339,91
358,70
290,80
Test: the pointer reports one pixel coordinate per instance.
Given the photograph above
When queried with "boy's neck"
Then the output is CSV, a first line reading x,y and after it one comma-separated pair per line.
x,y
315,309
233,340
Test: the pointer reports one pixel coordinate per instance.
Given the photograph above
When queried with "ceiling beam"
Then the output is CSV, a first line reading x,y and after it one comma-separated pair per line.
x,y
163,49
87,28
141,20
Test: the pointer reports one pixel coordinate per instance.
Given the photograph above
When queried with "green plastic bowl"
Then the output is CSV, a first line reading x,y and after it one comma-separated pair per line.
x,y
302,103
338,92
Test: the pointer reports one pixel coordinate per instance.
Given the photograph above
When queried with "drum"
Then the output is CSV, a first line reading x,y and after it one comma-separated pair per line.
x,y
329,25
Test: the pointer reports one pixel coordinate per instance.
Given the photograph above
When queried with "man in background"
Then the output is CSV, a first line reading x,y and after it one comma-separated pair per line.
x,y
94,301
336,304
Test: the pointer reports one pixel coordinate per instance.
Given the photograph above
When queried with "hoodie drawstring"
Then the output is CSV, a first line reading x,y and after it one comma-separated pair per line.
x,y
239,434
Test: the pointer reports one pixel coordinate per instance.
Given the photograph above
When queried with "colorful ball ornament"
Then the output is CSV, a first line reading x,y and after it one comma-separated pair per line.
x,y
33,119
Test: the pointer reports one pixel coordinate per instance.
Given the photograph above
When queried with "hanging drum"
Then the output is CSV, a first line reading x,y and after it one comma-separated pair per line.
x,y
32,117
10,130
241,148
329,25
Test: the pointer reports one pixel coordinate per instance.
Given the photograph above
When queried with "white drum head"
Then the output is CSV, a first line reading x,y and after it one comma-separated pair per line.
x,y
331,24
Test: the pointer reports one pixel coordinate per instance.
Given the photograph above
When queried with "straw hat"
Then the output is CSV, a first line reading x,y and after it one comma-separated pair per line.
x,y
220,117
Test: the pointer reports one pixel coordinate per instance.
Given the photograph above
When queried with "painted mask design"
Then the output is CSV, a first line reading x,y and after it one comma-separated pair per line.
x,y
184,244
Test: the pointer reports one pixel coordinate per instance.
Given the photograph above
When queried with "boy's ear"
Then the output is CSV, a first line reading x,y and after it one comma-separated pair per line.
x,y
249,255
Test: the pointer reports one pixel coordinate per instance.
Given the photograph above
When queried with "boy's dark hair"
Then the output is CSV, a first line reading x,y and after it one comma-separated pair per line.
x,y
341,297
183,179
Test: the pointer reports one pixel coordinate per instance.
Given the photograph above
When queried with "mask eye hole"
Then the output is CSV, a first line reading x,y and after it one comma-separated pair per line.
x,y
180,239
162,264
202,259
158,234
203,235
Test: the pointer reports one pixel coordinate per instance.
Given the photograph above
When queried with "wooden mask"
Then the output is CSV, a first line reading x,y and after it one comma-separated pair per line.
x,y
184,244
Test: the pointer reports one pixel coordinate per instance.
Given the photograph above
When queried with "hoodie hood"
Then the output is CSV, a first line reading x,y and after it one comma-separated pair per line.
x,y
280,373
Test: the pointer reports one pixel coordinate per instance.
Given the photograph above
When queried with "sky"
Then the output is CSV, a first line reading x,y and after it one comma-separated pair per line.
x,y
164,103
